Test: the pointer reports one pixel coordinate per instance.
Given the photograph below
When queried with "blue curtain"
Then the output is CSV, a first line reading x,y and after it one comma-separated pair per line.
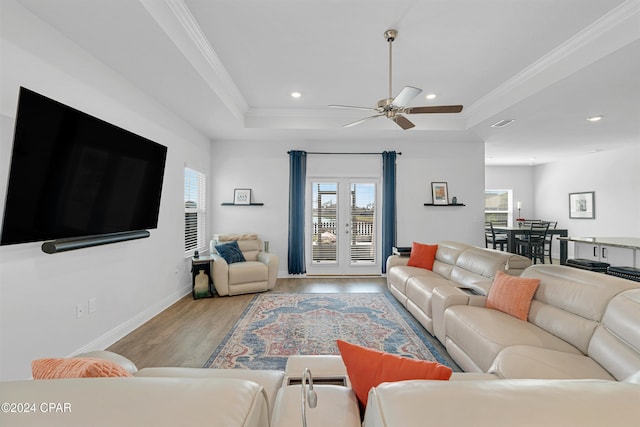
x,y
297,182
388,206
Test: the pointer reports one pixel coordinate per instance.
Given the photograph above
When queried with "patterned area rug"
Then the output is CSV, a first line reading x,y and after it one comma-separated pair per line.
x,y
276,326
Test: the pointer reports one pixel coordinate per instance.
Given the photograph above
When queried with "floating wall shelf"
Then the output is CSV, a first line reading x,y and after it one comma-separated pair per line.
x,y
250,204
450,204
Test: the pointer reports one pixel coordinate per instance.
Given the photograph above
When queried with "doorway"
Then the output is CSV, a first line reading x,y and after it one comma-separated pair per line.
x,y
343,226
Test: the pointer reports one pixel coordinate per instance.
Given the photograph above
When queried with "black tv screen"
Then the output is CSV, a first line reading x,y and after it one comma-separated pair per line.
x,y
74,175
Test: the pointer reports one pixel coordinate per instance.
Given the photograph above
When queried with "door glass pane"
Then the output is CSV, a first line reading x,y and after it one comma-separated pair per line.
x,y
363,223
324,235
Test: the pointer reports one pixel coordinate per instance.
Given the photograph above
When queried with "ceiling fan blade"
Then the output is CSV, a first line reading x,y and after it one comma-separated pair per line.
x,y
357,122
405,96
351,107
403,122
434,109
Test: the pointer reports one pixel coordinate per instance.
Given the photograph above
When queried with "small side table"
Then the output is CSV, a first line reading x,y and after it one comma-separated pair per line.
x,y
202,281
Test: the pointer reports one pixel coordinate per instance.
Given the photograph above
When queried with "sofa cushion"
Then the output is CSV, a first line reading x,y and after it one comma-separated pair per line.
x,y
523,361
512,295
248,272
420,290
230,252
482,333
422,255
76,367
399,275
368,368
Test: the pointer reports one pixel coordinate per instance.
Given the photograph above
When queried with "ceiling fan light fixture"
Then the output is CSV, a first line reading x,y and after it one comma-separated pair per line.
x,y
502,123
395,108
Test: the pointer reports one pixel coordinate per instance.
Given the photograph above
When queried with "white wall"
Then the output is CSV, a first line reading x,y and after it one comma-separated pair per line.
x,y
131,281
615,178
264,167
544,191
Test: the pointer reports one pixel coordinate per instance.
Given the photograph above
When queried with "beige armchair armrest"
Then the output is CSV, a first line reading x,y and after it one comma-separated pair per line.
x,y
271,260
220,275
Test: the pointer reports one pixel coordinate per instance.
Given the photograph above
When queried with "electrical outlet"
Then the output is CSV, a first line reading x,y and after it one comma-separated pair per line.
x,y
92,305
81,310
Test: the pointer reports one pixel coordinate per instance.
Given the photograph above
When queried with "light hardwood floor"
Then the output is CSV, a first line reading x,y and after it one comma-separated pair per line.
x,y
186,333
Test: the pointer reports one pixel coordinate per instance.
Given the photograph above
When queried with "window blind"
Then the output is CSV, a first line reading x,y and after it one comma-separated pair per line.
x,y
195,210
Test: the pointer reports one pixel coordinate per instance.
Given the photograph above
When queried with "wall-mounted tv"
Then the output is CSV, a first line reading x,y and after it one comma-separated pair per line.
x,y
73,175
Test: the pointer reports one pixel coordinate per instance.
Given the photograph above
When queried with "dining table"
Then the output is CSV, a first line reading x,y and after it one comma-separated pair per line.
x,y
515,230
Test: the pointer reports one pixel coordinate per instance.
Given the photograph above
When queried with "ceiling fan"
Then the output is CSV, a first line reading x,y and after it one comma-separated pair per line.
x,y
395,108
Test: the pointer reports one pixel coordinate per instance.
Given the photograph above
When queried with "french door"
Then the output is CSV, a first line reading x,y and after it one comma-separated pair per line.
x,y
343,226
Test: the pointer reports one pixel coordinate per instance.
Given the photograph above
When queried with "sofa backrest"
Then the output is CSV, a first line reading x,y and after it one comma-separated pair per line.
x,y
473,266
570,303
476,267
447,256
615,344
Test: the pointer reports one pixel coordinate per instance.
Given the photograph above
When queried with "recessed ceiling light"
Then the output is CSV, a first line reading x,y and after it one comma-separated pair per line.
x,y
594,118
502,123
296,94
431,96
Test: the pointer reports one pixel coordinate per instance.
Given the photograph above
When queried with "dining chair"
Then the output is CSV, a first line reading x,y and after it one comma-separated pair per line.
x,y
532,244
490,237
549,240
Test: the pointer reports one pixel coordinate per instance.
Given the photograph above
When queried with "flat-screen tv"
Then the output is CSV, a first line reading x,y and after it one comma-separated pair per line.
x,y
73,175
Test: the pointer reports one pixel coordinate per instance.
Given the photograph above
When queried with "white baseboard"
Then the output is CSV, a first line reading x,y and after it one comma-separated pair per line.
x,y
138,320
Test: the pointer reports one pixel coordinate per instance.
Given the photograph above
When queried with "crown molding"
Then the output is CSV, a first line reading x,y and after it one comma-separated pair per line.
x,y
177,21
606,35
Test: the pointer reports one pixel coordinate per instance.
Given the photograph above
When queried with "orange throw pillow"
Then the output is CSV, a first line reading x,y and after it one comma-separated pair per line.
x,y
422,255
78,367
512,295
367,368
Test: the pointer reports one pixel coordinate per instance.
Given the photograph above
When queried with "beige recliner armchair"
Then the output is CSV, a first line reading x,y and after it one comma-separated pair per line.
x,y
257,273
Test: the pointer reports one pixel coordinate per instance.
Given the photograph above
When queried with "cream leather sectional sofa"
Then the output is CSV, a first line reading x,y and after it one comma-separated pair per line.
x,y
457,265
245,398
581,324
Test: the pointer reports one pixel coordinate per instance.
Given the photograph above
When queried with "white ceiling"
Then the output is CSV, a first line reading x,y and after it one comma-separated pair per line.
x,y
228,67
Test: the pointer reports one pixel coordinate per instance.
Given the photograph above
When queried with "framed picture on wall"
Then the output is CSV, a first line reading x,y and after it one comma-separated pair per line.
x,y
439,193
582,205
242,196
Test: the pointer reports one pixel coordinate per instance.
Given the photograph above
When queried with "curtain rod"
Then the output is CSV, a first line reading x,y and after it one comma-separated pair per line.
x,y
314,152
